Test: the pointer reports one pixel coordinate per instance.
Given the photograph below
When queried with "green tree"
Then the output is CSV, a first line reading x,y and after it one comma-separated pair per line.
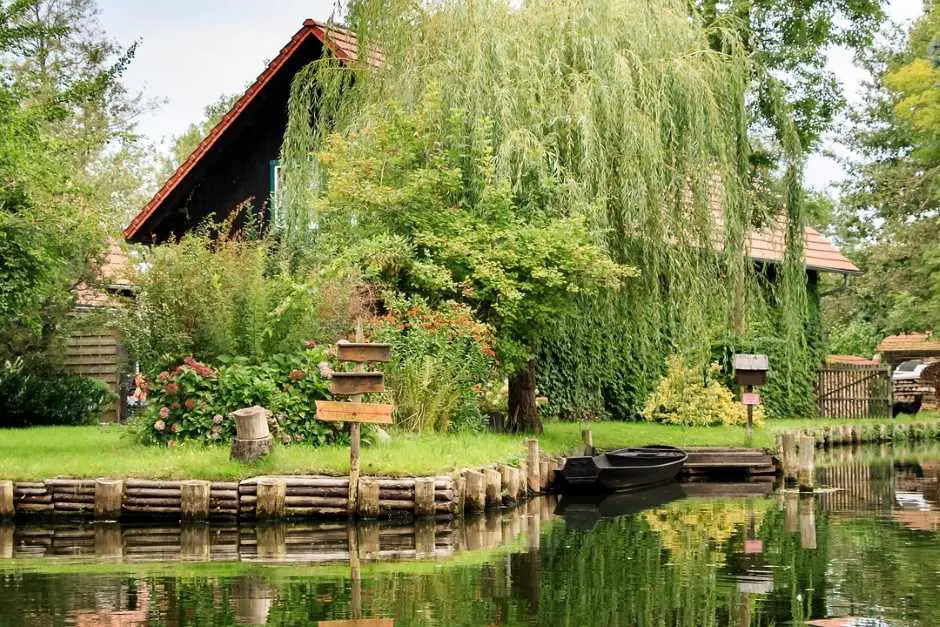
x,y
888,212
52,223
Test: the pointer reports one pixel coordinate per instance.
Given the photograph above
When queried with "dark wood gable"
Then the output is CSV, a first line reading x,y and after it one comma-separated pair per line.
x,y
233,163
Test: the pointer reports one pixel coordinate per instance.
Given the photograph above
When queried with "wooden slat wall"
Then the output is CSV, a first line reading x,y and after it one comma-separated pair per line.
x,y
854,391
97,354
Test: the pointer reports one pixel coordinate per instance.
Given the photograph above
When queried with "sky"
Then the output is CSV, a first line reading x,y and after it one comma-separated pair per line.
x,y
191,52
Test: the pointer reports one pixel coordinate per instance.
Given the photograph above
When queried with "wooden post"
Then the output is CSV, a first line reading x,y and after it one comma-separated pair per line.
x,y
807,452
807,521
476,490
368,500
355,437
534,478
546,474
271,498
109,495
194,500
510,481
789,457
494,487
6,499
424,496
252,436
271,541
588,439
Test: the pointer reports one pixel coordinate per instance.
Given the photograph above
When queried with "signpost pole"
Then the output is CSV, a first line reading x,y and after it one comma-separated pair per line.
x,y
354,437
750,417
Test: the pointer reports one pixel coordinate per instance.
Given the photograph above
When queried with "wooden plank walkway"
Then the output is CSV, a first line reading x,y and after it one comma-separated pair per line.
x,y
729,462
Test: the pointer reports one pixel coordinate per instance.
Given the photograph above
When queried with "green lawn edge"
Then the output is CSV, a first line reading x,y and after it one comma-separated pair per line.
x,y
108,451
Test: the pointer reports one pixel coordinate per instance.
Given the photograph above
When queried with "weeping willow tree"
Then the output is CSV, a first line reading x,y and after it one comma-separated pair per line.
x,y
618,126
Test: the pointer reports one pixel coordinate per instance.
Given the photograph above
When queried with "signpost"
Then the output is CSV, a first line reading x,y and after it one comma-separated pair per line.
x,y
750,371
354,411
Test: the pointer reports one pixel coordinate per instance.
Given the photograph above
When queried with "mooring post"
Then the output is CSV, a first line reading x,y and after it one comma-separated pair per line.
x,y
367,501
424,497
509,479
807,452
588,439
789,457
791,516
194,542
6,499
494,487
109,496
194,500
476,490
271,498
109,542
534,467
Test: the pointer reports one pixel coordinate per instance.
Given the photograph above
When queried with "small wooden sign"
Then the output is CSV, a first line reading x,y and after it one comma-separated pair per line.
x,y
753,546
359,622
349,383
750,398
373,413
362,353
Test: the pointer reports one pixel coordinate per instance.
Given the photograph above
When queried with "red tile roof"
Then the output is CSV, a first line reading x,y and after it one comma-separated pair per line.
x,y
769,245
764,245
341,42
851,359
914,342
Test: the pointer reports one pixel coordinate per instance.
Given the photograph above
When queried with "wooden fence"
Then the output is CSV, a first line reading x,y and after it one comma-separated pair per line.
x,y
854,391
98,354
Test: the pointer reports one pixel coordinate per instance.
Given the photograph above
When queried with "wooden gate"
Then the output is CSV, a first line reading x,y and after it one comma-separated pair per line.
x,y
854,391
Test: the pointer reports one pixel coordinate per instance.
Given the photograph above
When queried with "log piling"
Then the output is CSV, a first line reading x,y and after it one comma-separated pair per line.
x,y
109,497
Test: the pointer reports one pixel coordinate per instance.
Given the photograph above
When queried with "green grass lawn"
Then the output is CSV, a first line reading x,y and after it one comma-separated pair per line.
x,y
46,452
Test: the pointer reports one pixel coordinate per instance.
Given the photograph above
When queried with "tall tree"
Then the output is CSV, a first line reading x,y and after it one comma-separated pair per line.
x,y
888,214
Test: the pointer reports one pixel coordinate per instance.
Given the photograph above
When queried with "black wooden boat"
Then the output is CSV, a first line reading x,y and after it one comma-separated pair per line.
x,y
583,511
622,469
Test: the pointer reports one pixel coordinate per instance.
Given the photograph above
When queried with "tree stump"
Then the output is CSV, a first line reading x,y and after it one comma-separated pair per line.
x,y
252,437
494,487
475,490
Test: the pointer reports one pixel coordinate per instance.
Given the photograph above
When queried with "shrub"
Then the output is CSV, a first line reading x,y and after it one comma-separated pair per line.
x,y
40,395
231,296
441,360
692,397
194,401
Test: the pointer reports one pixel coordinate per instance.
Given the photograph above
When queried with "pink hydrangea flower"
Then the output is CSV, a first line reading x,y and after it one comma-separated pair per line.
x,y
171,389
299,437
159,425
217,419
190,403
296,375
164,412
310,343
175,427
285,438
325,371
215,435
164,376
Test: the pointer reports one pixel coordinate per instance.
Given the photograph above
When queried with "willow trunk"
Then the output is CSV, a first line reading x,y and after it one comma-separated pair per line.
x,y
523,412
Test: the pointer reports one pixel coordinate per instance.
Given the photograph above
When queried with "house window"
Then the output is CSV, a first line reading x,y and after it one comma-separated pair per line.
x,y
275,172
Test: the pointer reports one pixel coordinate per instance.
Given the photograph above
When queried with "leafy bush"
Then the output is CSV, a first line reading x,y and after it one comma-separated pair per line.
x,y
692,397
193,401
441,359
230,297
35,395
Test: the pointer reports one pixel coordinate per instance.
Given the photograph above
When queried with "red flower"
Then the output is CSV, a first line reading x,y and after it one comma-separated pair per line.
x,y
164,376
310,343
174,405
170,389
199,368
296,375
190,403
175,427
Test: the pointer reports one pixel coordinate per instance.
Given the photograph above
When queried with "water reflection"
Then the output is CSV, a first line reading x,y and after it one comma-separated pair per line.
x,y
691,555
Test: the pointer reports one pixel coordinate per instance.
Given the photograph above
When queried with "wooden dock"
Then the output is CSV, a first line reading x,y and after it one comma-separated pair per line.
x,y
729,462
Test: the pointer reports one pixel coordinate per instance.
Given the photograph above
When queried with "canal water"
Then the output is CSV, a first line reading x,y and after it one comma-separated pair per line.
x,y
695,555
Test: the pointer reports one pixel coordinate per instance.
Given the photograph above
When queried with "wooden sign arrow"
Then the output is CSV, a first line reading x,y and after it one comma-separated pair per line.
x,y
373,413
